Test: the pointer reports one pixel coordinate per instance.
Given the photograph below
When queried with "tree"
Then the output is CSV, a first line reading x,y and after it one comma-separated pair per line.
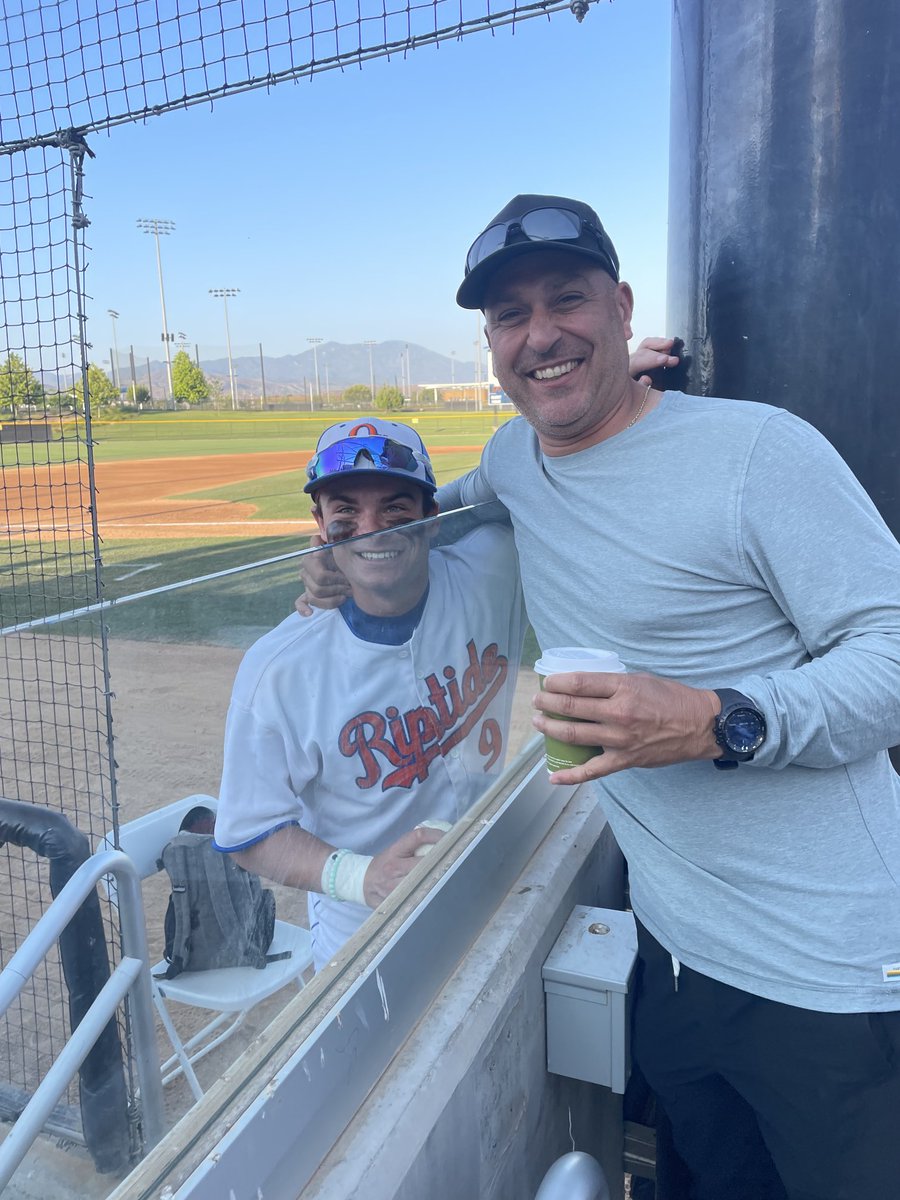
x,y
216,392
138,393
188,381
388,399
358,395
18,385
101,388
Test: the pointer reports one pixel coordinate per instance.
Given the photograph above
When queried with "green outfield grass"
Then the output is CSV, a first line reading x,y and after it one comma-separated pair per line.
x,y
40,578
230,611
233,611
183,434
277,497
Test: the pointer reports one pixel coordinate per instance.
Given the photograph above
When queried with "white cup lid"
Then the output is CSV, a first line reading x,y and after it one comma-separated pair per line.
x,y
578,658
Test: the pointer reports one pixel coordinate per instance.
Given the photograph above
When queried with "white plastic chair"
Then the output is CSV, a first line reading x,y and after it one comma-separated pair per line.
x,y
230,992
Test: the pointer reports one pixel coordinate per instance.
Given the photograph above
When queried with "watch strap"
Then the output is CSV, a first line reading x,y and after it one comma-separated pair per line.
x,y
730,697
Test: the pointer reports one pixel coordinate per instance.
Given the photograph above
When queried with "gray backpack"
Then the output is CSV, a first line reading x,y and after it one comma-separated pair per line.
x,y
219,915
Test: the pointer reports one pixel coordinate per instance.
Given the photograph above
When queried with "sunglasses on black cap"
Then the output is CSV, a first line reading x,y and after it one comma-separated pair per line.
x,y
540,225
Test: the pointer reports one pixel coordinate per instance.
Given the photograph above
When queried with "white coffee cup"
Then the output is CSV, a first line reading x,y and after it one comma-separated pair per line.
x,y
564,659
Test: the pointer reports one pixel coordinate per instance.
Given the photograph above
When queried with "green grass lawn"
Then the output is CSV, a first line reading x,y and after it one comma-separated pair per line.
x,y
232,611
277,497
229,611
37,580
183,434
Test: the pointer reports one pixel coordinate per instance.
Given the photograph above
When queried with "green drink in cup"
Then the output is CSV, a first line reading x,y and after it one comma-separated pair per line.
x,y
563,659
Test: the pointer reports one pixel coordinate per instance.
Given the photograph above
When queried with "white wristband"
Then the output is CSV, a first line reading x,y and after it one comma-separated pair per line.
x,y
343,876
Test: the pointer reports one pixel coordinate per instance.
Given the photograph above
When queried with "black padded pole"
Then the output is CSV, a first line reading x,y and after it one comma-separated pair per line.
x,y
784,215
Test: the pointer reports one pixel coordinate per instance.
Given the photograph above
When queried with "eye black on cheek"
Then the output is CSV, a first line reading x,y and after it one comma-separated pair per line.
x,y
339,530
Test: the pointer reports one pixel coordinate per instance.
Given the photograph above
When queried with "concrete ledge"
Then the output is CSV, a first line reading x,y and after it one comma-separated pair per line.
x,y
467,1110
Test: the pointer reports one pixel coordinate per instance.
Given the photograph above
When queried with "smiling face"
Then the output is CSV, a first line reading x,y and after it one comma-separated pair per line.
x,y
388,572
558,328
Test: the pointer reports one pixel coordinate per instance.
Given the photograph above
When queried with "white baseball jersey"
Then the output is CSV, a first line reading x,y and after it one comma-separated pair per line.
x,y
356,741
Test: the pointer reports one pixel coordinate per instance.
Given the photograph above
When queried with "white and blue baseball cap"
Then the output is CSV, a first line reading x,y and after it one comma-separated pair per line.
x,y
360,447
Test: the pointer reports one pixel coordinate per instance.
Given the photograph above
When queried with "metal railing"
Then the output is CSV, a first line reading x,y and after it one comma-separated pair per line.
x,y
131,975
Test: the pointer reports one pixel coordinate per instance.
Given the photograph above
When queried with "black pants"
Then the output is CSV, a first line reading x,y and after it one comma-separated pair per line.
x,y
767,1101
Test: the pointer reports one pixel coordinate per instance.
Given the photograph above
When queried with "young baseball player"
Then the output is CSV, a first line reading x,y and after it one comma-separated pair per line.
x,y
351,730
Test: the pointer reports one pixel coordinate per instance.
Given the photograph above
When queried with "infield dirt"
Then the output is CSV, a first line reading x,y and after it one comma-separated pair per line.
x,y
136,496
150,496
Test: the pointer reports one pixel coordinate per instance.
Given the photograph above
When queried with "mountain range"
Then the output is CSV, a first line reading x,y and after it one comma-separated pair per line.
x,y
339,366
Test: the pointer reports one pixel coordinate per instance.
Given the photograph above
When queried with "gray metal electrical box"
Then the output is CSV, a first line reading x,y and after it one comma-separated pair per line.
x,y
586,978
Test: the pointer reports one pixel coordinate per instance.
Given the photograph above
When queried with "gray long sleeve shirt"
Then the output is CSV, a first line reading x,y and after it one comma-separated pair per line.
x,y
726,544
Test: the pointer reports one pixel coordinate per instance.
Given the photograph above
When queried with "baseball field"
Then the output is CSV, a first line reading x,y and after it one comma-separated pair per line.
x,y
186,494
181,497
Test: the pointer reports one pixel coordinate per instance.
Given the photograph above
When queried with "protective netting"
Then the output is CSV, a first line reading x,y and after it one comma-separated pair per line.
x,y
53,729
68,68
88,65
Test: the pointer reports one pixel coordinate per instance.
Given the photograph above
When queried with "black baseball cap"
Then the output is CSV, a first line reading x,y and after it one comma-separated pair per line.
x,y
529,223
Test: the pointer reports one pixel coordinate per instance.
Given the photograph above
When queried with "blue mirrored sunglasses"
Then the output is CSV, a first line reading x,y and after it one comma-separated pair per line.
x,y
384,453
539,225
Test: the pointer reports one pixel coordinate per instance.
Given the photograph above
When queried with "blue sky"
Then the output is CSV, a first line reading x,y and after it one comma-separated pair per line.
x,y
342,207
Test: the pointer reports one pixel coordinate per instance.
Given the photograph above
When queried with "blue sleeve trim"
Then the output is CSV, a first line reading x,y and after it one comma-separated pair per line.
x,y
253,841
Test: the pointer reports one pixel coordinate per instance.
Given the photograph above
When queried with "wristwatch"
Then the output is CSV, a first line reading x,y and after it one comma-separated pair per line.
x,y
740,729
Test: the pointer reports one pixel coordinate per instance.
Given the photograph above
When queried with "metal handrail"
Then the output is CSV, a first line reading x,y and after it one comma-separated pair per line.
x,y
132,974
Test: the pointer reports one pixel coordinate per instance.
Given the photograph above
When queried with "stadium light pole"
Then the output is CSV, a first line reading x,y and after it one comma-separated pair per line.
x,y
224,294
156,226
315,343
114,316
370,344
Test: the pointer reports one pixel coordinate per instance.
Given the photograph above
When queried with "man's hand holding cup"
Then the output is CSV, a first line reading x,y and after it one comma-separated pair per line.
x,y
608,720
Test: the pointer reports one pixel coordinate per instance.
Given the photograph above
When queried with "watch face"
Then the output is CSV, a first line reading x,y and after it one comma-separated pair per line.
x,y
745,730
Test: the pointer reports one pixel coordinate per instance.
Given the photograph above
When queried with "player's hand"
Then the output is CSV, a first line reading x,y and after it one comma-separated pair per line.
x,y
392,865
651,354
324,585
639,720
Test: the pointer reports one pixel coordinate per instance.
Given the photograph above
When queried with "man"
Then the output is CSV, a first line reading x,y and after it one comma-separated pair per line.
x,y
356,737
730,558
